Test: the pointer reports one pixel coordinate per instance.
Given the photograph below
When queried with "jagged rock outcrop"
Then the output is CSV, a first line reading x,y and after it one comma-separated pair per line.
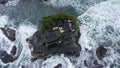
x,y
13,51
9,33
59,37
101,52
5,57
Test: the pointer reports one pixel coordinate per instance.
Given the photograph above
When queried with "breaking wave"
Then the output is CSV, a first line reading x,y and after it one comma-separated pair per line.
x,y
100,25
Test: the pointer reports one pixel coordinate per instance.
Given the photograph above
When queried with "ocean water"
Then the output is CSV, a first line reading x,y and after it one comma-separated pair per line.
x,y
99,23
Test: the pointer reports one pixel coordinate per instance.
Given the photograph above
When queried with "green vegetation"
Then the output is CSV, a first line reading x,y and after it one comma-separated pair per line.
x,y
76,26
47,21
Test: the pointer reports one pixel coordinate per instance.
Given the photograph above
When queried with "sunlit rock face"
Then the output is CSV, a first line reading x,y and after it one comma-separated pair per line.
x,y
101,52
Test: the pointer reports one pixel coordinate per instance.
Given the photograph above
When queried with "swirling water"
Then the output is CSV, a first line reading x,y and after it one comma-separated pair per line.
x,y
99,22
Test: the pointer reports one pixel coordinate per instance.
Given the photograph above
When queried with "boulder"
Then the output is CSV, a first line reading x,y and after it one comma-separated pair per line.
x,y
5,57
101,52
23,66
9,33
13,51
58,66
95,62
85,63
3,1
33,59
29,40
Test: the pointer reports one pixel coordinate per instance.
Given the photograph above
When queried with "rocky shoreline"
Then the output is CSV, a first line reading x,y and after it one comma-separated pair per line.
x,y
60,38
55,42
52,43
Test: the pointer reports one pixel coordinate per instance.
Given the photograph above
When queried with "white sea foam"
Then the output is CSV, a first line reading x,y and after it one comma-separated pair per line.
x,y
53,61
23,32
80,5
101,26
3,20
5,43
12,3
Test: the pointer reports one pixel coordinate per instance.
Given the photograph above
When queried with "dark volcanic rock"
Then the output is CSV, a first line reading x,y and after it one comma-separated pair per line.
x,y
85,63
58,66
3,1
68,47
33,59
23,66
101,52
9,33
13,51
61,37
5,57
95,62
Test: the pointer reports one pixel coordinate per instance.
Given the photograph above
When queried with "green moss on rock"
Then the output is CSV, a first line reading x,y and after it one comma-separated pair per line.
x,y
47,21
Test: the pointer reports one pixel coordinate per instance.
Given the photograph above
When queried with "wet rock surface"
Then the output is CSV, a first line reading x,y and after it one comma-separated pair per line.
x,y
101,52
13,51
9,33
85,63
5,57
67,47
61,38
58,66
93,63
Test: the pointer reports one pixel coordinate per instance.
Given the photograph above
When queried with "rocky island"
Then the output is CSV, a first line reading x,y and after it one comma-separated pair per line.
x,y
57,34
